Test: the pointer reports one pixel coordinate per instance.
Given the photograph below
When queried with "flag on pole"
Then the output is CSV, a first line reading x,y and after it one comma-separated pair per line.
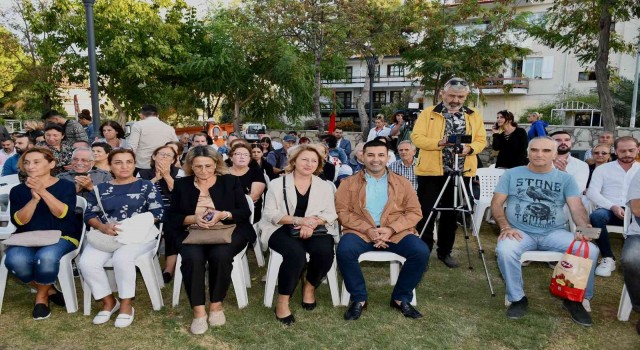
x,y
332,118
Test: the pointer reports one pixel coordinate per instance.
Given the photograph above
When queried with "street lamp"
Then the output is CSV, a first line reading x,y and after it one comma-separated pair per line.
x,y
634,100
93,72
371,65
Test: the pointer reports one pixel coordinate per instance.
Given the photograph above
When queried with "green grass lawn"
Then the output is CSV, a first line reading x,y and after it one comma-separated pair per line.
x,y
459,313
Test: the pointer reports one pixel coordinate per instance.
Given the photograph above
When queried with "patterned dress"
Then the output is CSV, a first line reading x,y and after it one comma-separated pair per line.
x,y
124,201
62,156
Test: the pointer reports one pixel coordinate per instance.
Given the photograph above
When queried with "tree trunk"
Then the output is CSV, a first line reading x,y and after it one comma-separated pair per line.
x,y
362,112
316,93
236,118
122,116
602,70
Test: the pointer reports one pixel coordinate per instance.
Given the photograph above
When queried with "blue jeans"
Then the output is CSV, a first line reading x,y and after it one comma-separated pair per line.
x,y
600,218
37,264
631,268
411,247
509,252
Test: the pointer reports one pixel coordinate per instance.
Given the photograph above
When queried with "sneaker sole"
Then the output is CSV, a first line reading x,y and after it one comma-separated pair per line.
x,y
603,274
41,318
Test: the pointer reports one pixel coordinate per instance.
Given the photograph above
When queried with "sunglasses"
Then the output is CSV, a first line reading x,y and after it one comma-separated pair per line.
x,y
455,82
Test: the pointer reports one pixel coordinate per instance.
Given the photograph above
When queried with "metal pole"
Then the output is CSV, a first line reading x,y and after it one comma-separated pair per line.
x,y
93,71
634,101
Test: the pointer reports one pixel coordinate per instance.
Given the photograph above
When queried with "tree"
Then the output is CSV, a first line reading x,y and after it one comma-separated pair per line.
x,y
10,56
468,40
260,76
584,28
622,94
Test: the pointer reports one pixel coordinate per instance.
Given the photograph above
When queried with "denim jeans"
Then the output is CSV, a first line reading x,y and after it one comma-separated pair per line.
x,y
509,252
411,247
601,218
37,264
631,268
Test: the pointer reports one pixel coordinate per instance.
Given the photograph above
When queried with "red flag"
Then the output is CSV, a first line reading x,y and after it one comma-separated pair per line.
x,y
332,122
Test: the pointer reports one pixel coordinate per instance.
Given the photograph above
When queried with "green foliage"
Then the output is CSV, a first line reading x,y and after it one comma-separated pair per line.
x,y
470,40
311,124
573,26
347,125
622,94
545,108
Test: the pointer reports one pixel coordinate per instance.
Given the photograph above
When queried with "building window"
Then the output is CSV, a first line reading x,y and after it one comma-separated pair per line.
x,y
395,96
348,73
395,70
344,99
379,99
532,67
586,76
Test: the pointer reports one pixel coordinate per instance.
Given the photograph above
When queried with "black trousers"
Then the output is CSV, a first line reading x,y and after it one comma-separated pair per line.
x,y
220,259
429,188
293,251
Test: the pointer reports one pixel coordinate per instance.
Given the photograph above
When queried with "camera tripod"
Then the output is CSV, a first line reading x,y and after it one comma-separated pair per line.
x,y
460,195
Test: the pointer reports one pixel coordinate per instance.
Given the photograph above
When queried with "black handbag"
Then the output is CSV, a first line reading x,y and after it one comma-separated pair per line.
x,y
295,232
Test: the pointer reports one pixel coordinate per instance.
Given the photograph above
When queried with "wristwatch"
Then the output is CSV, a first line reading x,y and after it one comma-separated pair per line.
x,y
226,216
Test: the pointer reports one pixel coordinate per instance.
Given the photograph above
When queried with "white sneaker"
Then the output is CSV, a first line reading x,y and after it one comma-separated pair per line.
x,y
606,266
124,320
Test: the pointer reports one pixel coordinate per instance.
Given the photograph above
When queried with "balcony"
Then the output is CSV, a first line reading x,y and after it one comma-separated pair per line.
x,y
503,86
378,82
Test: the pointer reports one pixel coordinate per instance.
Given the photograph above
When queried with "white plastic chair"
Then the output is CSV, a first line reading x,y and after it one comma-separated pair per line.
x,y
624,309
240,276
275,260
488,178
65,274
149,267
395,260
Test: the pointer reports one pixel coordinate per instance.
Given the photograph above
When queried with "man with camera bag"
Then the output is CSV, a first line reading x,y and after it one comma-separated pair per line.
x,y
436,127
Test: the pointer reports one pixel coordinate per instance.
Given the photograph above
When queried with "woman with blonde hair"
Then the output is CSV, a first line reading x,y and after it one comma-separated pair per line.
x,y
297,220
208,195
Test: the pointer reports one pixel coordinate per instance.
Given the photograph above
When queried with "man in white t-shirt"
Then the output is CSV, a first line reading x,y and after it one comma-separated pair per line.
x,y
608,191
631,249
148,134
379,130
566,162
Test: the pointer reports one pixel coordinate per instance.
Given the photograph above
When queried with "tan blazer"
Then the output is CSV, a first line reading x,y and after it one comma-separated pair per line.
x,y
321,204
401,212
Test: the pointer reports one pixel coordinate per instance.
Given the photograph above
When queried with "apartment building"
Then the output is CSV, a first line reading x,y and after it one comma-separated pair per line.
x,y
541,77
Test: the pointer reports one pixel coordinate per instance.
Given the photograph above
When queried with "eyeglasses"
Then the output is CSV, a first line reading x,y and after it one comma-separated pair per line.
x,y
81,160
600,153
454,82
165,155
242,155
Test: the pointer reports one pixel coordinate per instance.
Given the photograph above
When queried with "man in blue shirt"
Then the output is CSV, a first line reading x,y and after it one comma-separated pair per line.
x,y
379,210
84,118
535,219
23,143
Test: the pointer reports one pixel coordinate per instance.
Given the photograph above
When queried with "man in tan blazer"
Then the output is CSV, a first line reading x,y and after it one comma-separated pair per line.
x,y
379,210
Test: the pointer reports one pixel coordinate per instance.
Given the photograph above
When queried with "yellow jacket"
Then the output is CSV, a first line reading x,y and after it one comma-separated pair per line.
x,y
429,130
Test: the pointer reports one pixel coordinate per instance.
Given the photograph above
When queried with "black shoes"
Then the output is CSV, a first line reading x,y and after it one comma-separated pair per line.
x,y
287,320
41,312
518,309
578,313
449,261
309,306
406,309
354,311
57,297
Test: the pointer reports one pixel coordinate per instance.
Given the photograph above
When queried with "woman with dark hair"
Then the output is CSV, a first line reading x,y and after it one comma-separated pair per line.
x,y
250,174
178,147
265,144
42,202
61,151
113,134
101,152
510,141
334,150
259,157
121,198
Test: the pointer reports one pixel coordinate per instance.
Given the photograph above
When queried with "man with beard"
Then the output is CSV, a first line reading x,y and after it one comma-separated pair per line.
x,y
608,191
431,134
7,150
567,163
23,143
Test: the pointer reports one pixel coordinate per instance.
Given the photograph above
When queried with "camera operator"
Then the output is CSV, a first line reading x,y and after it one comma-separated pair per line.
x,y
433,130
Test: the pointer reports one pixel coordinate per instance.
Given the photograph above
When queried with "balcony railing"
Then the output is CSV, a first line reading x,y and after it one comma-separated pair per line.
x,y
376,105
359,80
505,84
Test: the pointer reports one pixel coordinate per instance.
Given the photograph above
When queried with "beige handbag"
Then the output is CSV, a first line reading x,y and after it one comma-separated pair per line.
x,y
218,234
40,238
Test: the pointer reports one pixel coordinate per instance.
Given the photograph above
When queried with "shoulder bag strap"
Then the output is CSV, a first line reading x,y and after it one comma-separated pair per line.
x,y
104,214
284,192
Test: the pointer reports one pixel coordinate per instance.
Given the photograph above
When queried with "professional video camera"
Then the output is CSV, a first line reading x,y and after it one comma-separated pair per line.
x,y
411,114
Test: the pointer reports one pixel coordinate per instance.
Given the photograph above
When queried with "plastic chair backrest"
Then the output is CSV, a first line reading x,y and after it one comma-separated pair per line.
x,y
267,180
82,204
488,178
251,206
9,179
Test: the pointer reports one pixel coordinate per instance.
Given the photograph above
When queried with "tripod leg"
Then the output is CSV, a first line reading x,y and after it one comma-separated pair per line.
x,y
461,193
435,206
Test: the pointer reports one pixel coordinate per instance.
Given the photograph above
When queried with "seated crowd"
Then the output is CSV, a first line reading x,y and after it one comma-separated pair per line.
x,y
310,202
